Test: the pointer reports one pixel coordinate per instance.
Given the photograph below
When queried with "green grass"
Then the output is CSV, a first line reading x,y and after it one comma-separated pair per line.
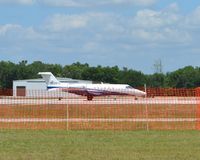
x,y
99,145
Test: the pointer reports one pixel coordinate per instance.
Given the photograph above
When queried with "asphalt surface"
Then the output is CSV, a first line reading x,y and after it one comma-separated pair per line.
x,y
116,101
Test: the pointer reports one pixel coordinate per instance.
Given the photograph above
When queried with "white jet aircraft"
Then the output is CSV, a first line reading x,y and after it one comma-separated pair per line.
x,y
90,90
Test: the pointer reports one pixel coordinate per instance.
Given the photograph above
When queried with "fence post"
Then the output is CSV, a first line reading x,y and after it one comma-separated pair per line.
x,y
146,108
198,108
68,119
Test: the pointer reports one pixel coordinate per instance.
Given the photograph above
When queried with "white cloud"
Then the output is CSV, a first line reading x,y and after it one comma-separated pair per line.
x,y
18,33
193,19
173,7
155,19
165,26
149,26
61,22
21,2
90,3
148,33
60,3
144,2
4,29
79,3
92,22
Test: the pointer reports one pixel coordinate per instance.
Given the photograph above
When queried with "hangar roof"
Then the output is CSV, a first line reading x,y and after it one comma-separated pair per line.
x,y
64,80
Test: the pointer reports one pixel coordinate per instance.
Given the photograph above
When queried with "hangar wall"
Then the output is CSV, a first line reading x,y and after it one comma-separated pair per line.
x,y
37,87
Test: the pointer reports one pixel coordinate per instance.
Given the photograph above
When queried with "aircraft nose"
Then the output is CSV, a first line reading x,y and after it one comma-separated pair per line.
x,y
144,93
138,92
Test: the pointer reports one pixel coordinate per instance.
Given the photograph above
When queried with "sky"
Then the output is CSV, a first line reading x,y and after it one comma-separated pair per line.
x,y
127,33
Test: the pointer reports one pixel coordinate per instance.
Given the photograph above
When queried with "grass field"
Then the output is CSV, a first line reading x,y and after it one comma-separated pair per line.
x,y
98,145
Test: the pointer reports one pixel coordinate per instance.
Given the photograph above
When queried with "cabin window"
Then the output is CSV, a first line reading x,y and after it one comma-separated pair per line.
x,y
129,87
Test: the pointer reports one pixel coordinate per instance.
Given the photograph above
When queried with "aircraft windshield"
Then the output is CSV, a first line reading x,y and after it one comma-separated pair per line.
x,y
129,87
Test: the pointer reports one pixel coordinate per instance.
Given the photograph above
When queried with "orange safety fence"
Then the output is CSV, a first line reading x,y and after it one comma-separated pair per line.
x,y
198,109
167,109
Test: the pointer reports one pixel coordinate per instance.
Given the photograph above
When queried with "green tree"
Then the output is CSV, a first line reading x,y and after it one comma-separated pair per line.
x,y
131,77
156,80
75,70
186,77
7,74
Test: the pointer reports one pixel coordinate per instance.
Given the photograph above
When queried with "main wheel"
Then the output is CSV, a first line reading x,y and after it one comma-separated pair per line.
x,y
136,98
89,98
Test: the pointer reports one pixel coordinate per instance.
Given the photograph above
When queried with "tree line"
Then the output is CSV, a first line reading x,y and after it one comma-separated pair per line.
x,y
187,77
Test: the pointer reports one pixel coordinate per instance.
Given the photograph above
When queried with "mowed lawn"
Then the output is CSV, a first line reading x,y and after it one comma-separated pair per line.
x,y
99,145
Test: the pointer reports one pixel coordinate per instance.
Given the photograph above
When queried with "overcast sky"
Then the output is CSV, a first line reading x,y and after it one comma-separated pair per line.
x,y
127,33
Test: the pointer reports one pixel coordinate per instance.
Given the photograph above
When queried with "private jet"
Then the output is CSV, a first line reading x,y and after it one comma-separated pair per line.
x,y
90,90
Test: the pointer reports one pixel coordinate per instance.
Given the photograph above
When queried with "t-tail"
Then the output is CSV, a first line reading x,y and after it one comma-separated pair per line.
x,y
49,78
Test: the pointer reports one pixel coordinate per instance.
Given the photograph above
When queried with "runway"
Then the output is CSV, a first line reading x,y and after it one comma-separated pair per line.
x,y
116,101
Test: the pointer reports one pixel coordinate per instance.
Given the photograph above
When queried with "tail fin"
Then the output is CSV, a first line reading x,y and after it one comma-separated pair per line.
x,y
49,78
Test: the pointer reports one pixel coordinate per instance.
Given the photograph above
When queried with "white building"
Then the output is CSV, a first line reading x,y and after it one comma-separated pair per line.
x,y
38,88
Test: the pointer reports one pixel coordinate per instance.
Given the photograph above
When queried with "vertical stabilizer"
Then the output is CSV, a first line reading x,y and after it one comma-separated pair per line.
x,y
49,78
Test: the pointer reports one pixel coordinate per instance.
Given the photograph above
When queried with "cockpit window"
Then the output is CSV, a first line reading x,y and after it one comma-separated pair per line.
x,y
129,87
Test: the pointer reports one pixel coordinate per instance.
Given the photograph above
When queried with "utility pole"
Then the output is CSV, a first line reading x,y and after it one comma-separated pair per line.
x,y
158,67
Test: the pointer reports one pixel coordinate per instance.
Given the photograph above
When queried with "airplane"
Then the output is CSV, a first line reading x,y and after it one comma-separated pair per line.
x,y
90,90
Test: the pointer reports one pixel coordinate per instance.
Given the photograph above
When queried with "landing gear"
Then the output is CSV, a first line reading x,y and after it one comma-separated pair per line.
x,y
89,98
